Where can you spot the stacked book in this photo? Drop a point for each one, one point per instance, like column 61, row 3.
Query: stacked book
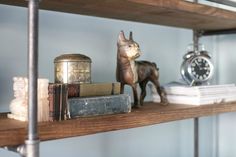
column 197, row 95
column 78, row 100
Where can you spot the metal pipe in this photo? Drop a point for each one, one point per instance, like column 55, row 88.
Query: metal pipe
column 196, row 36
column 219, row 32
column 195, row 40
column 196, row 137
column 32, row 143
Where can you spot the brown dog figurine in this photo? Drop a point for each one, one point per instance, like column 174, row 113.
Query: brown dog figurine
column 131, row 72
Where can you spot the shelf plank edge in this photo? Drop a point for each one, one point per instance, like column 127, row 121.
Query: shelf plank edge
column 175, row 13
column 14, row 132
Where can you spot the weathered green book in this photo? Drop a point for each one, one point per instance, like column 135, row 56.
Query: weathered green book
column 102, row 105
column 59, row 93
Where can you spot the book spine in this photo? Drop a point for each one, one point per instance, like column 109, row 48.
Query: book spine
column 63, row 104
column 4, row 115
column 57, row 96
column 102, row 105
column 56, row 104
column 51, row 99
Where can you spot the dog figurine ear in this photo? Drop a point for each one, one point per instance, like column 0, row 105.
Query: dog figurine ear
column 121, row 38
column 131, row 36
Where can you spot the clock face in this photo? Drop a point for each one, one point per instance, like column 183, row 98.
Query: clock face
column 200, row 69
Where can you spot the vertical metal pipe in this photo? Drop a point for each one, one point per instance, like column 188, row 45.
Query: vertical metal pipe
column 196, row 120
column 195, row 40
column 33, row 68
column 196, row 137
column 195, row 36
column 32, row 143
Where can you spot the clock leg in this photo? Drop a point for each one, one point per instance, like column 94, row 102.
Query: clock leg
column 192, row 83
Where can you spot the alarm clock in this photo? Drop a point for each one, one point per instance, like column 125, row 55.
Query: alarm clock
column 197, row 67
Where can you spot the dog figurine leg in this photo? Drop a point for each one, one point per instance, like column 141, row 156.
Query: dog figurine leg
column 143, row 91
column 135, row 94
column 122, row 86
column 161, row 92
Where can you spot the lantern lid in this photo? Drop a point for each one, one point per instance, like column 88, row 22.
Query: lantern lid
column 71, row 58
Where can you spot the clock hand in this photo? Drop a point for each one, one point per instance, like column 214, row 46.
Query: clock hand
column 196, row 62
column 198, row 65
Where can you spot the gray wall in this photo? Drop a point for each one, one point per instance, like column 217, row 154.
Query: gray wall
column 96, row 37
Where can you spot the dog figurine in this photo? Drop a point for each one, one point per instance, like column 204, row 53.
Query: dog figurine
column 131, row 72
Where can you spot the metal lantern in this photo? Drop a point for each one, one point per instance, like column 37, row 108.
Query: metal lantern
column 72, row 69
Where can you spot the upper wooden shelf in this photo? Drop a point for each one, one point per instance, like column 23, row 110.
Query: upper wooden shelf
column 177, row 13
column 13, row 132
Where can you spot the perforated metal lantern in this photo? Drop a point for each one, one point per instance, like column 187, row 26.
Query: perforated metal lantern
column 72, row 69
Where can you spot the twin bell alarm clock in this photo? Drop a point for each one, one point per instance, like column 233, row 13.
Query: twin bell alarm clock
column 197, row 67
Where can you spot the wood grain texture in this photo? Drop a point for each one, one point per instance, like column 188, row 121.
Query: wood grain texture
column 13, row 132
column 177, row 13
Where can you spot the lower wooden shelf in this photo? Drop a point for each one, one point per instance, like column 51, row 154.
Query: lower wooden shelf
column 13, row 132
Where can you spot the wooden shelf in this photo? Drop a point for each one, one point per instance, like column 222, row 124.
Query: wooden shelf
column 177, row 13
column 13, row 132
